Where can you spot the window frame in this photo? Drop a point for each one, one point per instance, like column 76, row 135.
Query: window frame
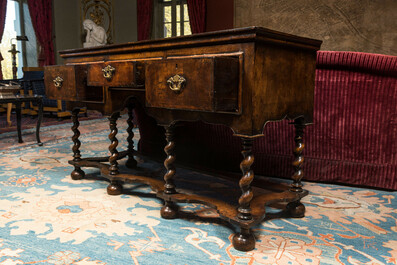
column 23, row 59
column 159, row 20
column 22, row 29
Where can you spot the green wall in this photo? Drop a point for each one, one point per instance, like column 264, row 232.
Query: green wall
column 67, row 24
column 342, row 25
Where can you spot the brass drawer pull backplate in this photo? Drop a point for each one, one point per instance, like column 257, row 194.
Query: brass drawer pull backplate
column 108, row 72
column 176, row 83
column 58, row 81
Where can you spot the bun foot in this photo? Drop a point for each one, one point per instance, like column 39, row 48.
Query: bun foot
column 169, row 211
column 244, row 241
column 131, row 163
column 77, row 174
column 296, row 209
column 114, row 188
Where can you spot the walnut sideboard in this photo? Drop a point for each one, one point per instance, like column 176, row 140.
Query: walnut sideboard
column 242, row 78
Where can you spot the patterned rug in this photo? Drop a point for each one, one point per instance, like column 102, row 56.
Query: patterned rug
column 9, row 137
column 8, row 134
column 47, row 218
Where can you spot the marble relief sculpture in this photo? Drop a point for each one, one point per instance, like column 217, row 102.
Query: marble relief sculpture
column 96, row 35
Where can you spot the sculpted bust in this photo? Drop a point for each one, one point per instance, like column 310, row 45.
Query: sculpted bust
column 96, row 35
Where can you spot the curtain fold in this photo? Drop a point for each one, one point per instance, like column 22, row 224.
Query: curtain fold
column 144, row 13
column 41, row 14
column 197, row 15
column 3, row 9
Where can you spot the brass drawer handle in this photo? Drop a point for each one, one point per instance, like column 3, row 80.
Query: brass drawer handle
column 58, row 81
column 176, row 83
column 108, row 72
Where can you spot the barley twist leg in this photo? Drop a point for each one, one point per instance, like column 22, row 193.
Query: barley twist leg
column 114, row 187
column 170, row 209
column 77, row 173
column 245, row 240
column 131, row 162
column 296, row 208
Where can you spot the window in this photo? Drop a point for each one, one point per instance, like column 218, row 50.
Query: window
column 18, row 23
column 171, row 18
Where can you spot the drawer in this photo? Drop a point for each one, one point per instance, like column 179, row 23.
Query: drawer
column 208, row 84
column 66, row 82
column 116, row 74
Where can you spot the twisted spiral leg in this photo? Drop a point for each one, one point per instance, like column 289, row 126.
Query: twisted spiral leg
column 169, row 210
column 131, row 162
column 296, row 208
column 244, row 209
column 245, row 240
column 114, row 187
column 169, row 161
column 77, row 173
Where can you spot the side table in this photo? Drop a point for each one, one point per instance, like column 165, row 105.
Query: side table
column 239, row 78
column 18, row 100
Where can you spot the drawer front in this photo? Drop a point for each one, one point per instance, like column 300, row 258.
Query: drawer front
column 115, row 74
column 65, row 82
column 207, row 84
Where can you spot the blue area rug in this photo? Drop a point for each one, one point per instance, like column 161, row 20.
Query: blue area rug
column 47, row 218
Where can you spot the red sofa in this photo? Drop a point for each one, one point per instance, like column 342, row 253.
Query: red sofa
column 353, row 139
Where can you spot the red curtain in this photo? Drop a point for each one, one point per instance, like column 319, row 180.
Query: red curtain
column 144, row 13
column 3, row 9
column 41, row 14
column 197, row 13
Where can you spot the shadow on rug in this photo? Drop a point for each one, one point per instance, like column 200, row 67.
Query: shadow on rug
column 47, row 218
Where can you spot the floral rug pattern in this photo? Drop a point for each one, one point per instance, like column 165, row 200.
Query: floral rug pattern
column 47, row 218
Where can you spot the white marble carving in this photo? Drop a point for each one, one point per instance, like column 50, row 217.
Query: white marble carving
column 96, row 35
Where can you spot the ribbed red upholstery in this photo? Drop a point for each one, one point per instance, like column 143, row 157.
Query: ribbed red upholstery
column 358, row 61
column 353, row 139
